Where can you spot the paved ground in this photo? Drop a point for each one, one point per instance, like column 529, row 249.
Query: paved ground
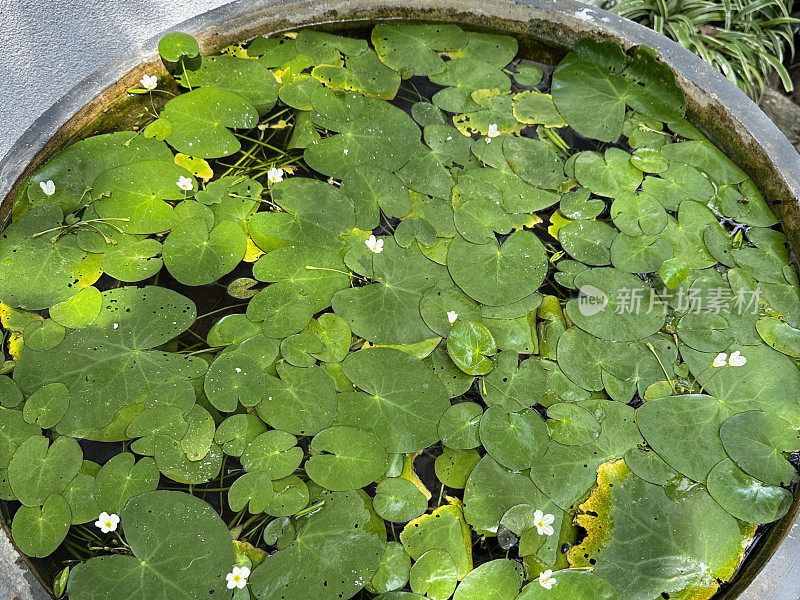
column 16, row 583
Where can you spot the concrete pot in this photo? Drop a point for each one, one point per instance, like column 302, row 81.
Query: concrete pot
column 546, row 30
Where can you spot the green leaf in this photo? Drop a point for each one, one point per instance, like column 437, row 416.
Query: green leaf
column 513, row 385
column 588, row 241
column 412, row 49
column 39, row 469
column 458, row 427
column 434, row 575
column 398, row 500
column 745, row 497
column 468, row 345
column 174, row 46
column 453, row 467
column 393, row 570
column 201, row 120
column 274, row 453
column 47, row 405
column 665, row 424
column 197, row 255
column 571, row 425
column 515, row 440
column 444, row 528
column 757, row 441
column 330, row 543
column 609, row 175
column 123, row 478
column 402, row 399
column 250, row 79
column 133, row 262
column 373, row 189
column 109, row 365
column 232, row 378
column 494, row 580
column 193, row 565
column 80, row 310
column 637, row 552
column 38, row 531
column 345, row 458
column 494, row 274
column 301, row 402
column 534, row 161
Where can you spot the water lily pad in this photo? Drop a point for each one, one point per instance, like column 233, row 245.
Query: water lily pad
column 495, row 580
column 453, row 467
column 757, row 441
column 174, row 46
column 274, row 453
column 201, row 119
column 588, row 241
column 109, row 365
column 133, row 262
column 43, row 335
column 513, row 385
column 193, row 565
column 78, row 311
column 458, row 427
column 515, row 440
column 468, row 345
column 301, row 402
column 47, row 405
column 627, row 309
column 398, row 500
column 402, row 401
column 444, row 528
column 123, row 478
column 494, row 274
column 345, row 458
column 393, row 569
column 197, row 255
column 571, row 425
column 434, row 575
column 373, row 189
column 38, row 469
column 330, row 543
column 609, row 174
column 250, row 79
column 38, row 531
column 663, row 423
column 534, row 161
column 232, row 378
column 745, row 497
column 412, row 49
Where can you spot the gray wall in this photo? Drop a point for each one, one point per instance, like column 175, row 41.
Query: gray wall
column 50, row 45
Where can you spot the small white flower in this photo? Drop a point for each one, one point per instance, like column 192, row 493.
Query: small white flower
column 48, row 187
column 546, row 579
column 375, row 245
column 238, row 577
column 275, row 175
column 492, row 132
column 452, row 316
column 185, row 183
column 543, row 522
column 736, row 359
column 149, row 82
column 720, row 360
column 107, row 522
column 346, row 151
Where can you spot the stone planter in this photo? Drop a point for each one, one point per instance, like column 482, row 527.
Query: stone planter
column 546, row 30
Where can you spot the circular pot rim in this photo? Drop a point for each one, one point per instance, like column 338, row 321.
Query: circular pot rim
column 714, row 104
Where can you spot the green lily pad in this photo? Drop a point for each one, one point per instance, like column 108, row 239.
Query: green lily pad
column 80, row 310
column 373, row 190
column 250, row 79
column 468, row 345
column 588, row 241
column 401, row 403
column 197, row 255
column 609, row 175
column 301, row 402
column 513, row 385
column 494, row 274
column 274, row 453
column 201, row 120
column 663, row 423
column 174, row 46
column 453, row 467
column 393, row 569
column 434, row 575
column 627, row 309
column 495, row 580
column 43, row 335
column 398, row 500
column 38, row 531
column 534, row 161
column 412, row 49
column 575, row 585
column 232, row 378
column 237, row 431
column 745, row 497
column 757, row 441
column 109, row 365
column 133, row 262
column 39, row 469
column 345, row 458
column 330, row 543
column 47, row 405
column 193, row 566
column 444, row 528
column 515, row 440
column 571, row 425
column 123, row 478
column 458, row 427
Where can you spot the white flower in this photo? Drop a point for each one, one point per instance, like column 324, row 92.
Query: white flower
column 720, row 360
column 275, row 175
column 736, row 359
column 185, row 183
column 374, row 244
column 452, row 316
column 149, row 82
column 543, row 522
column 546, row 579
column 48, row 187
column 492, row 132
column 238, row 577
column 107, row 522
